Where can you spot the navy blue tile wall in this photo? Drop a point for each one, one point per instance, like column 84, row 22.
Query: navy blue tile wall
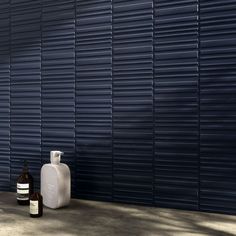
column 133, row 101
column 4, row 95
column 176, row 103
column 94, row 99
column 140, row 95
column 25, row 86
column 218, row 106
column 58, row 80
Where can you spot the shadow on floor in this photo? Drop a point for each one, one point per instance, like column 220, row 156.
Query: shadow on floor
column 89, row 218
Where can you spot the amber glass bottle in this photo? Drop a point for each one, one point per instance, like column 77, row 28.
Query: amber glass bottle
column 24, row 186
column 36, row 205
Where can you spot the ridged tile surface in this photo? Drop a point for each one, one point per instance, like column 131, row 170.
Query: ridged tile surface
column 176, row 103
column 94, row 99
column 140, row 95
column 25, row 87
column 58, row 80
column 133, row 101
column 4, row 95
column 218, row 106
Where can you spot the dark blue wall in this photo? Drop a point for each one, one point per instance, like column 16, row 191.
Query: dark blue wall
column 140, row 95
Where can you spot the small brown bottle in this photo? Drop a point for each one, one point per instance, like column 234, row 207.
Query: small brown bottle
column 36, row 205
column 24, row 186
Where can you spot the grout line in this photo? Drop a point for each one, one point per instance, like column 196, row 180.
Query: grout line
column 75, row 110
column 153, row 103
column 112, row 101
column 41, row 44
column 10, row 172
column 199, row 108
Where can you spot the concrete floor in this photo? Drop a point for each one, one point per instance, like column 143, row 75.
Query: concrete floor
column 90, row 218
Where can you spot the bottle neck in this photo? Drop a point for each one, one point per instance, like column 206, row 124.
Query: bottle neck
column 25, row 168
column 25, row 171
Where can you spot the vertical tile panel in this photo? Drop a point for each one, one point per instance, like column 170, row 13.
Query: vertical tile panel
column 4, row 95
column 176, row 103
column 218, row 106
column 25, row 87
column 133, row 101
column 94, row 99
column 58, row 80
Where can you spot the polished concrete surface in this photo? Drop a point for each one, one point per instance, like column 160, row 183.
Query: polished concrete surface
column 90, row 218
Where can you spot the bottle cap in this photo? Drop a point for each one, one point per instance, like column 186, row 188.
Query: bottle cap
column 55, row 157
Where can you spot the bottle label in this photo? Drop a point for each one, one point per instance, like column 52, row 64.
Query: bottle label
column 22, row 191
column 34, row 207
column 24, row 186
